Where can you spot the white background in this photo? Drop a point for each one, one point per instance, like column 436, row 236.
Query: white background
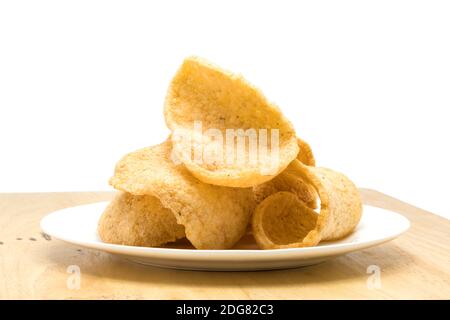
column 366, row 83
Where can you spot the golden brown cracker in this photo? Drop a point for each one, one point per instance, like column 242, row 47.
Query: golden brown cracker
column 283, row 221
column 138, row 220
column 214, row 217
column 340, row 209
column 221, row 101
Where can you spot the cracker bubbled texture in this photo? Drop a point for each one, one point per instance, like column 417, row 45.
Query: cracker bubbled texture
column 221, row 100
column 138, row 220
column 214, row 217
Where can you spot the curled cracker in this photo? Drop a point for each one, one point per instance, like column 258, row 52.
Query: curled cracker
column 340, row 210
column 283, row 221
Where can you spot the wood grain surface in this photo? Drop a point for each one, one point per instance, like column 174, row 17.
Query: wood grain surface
column 34, row 266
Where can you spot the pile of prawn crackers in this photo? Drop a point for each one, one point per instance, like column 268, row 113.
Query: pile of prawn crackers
column 166, row 194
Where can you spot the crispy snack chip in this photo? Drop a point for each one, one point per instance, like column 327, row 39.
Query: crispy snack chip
column 283, row 221
column 221, row 101
column 214, row 217
column 289, row 181
column 138, row 221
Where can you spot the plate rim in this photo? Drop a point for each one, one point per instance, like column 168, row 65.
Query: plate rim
column 217, row 254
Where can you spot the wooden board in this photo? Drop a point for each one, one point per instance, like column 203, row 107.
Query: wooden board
column 414, row 266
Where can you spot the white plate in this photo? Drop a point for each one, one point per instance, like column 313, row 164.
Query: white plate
column 78, row 225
